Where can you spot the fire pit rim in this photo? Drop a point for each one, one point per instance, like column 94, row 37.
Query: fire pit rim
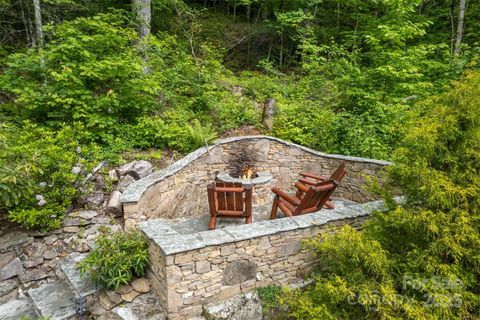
column 263, row 177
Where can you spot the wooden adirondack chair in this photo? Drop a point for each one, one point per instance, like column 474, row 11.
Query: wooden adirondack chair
column 229, row 200
column 310, row 179
column 314, row 200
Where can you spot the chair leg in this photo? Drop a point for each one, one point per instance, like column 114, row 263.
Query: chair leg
column 329, row 205
column 273, row 214
column 299, row 194
column 213, row 223
column 248, row 204
column 212, row 205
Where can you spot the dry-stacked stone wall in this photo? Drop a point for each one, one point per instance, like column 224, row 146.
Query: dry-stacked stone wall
column 190, row 271
column 180, row 190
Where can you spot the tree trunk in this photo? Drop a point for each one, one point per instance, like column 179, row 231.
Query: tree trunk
column 258, row 13
column 280, row 58
column 234, row 10
column 452, row 26
column 270, row 47
column 268, row 112
column 38, row 23
column 338, row 16
column 461, row 19
column 142, row 9
column 30, row 38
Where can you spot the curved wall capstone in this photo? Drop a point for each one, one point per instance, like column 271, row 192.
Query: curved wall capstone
column 180, row 190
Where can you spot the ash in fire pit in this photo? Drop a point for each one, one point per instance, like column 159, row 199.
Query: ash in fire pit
column 242, row 164
column 243, row 168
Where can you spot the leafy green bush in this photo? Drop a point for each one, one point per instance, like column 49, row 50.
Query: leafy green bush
column 226, row 111
column 351, row 265
column 269, row 297
column 148, row 132
column 418, row 260
column 307, row 124
column 155, row 132
column 200, row 135
column 116, row 259
column 89, row 72
column 41, row 172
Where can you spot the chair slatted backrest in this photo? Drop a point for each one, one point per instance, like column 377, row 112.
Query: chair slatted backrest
column 314, row 179
column 228, row 200
column 316, row 197
column 339, row 173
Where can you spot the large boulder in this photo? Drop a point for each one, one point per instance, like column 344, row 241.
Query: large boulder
column 239, row 271
column 242, row 307
column 95, row 199
column 137, row 169
column 124, row 182
column 183, row 201
column 7, row 286
column 6, row 258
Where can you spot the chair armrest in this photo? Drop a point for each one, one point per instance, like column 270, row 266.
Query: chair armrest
column 327, row 185
column 302, row 187
column 309, row 182
column 294, row 201
column 313, row 176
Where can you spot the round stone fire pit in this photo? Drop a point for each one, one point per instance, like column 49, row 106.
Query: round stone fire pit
column 261, row 185
column 262, row 177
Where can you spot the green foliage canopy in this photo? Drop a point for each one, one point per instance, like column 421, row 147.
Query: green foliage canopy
column 89, row 72
column 418, row 260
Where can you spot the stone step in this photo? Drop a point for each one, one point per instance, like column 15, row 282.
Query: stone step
column 81, row 285
column 55, row 300
column 14, row 239
column 17, row 309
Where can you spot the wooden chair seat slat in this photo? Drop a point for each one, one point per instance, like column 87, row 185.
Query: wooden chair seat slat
column 285, row 209
column 231, row 212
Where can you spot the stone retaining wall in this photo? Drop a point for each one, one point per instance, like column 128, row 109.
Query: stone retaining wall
column 189, row 271
column 180, row 189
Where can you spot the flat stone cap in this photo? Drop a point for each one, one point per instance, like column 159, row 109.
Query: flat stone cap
column 171, row 242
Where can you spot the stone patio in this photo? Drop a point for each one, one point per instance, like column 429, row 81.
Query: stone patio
column 260, row 213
